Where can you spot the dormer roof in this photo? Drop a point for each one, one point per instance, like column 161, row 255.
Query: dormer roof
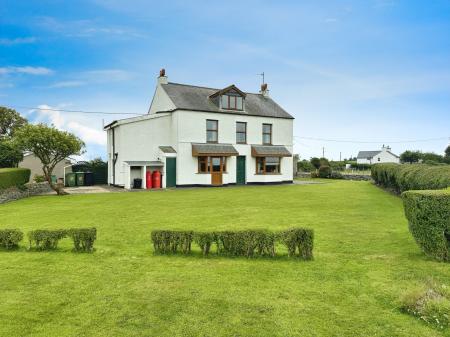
column 228, row 89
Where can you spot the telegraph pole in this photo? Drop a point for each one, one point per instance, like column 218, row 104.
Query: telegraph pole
column 323, row 152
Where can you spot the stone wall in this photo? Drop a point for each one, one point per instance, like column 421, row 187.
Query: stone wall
column 30, row 189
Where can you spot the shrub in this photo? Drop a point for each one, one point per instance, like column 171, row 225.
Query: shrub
column 10, row 177
column 324, row 171
column 298, row 239
column 45, row 239
column 83, row 238
column 204, row 240
column 314, row 174
column 10, row 238
column 411, row 177
column 428, row 214
column 38, row 178
column 336, row 175
column 170, row 241
column 246, row 243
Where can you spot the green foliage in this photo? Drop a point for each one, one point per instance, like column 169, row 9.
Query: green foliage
column 172, row 241
column 410, row 157
column 247, row 243
column 39, row 178
column 10, row 153
column 315, row 162
column 83, row 238
column 10, row 238
column 10, row 122
column 428, row 214
column 46, row 239
column 50, row 145
column 429, row 302
column 205, row 240
column 336, row 175
column 305, row 166
column 447, row 154
column 411, row 177
column 298, row 240
column 13, row 177
column 337, row 165
column 97, row 166
column 324, row 171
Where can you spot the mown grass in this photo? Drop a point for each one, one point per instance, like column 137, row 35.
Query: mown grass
column 365, row 259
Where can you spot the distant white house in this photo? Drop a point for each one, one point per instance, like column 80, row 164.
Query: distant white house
column 381, row 156
column 198, row 136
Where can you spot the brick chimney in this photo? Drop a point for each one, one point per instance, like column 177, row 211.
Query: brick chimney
column 162, row 79
column 264, row 91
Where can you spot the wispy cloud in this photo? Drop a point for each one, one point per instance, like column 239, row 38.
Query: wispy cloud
column 66, row 84
column 26, row 70
column 18, row 40
column 106, row 75
column 86, row 28
column 70, row 122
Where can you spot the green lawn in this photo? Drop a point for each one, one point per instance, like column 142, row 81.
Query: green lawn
column 365, row 259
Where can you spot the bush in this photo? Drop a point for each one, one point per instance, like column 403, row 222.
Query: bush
column 336, row 175
column 171, row 241
column 10, row 177
column 204, row 240
column 428, row 214
column 324, row 171
column 298, row 239
column 10, row 238
column 411, row 177
column 39, row 178
column 83, row 238
column 44, row 239
column 247, row 243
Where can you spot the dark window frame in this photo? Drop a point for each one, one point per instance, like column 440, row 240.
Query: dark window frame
column 229, row 100
column 207, row 160
column 267, row 133
column 264, row 164
column 216, row 130
column 241, row 132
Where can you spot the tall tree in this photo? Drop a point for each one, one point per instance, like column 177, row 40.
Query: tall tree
column 410, row 156
column 51, row 146
column 10, row 153
column 10, row 121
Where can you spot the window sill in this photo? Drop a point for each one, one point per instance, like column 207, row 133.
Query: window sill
column 210, row 172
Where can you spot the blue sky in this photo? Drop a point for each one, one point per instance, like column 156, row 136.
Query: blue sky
column 368, row 71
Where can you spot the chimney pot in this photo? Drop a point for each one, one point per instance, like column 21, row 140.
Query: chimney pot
column 264, row 91
column 162, row 79
column 162, row 72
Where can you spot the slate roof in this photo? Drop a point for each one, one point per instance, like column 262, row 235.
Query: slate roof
column 167, row 149
column 189, row 97
column 270, row 151
column 213, row 149
column 367, row 154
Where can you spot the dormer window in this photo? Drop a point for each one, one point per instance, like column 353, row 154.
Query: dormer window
column 232, row 102
column 229, row 98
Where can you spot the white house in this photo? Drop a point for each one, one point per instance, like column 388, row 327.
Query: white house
column 198, row 136
column 374, row 157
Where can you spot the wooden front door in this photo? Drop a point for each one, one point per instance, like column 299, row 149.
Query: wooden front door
column 216, row 171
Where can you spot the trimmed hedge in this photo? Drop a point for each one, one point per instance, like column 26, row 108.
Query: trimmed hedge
column 45, row 239
column 10, row 238
column 10, row 177
column 247, row 243
column 404, row 177
column 83, row 238
column 428, row 214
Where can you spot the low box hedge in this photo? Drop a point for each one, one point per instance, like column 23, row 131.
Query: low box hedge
column 46, row 239
column 404, row 177
column 83, row 238
column 10, row 177
column 247, row 243
column 10, row 238
column 428, row 214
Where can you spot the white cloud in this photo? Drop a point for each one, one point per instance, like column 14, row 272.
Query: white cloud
column 18, row 40
column 66, row 84
column 107, row 75
column 69, row 122
column 26, row 70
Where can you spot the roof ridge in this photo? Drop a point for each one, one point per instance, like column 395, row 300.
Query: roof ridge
column 202, row 87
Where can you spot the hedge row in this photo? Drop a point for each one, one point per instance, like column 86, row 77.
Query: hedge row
column 428, row 214
column 298, row 241
column 10, row 177
column 411, row 177
column 46, row 239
